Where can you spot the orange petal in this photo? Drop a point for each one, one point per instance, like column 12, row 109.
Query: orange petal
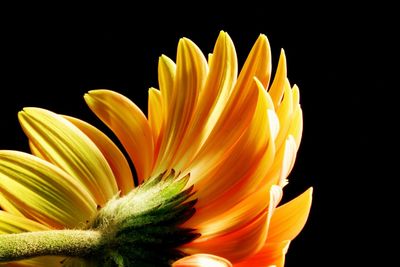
column 237, row 245
column 191, row 70
column 239, row 109
column 220, row 171
column 64, row 145
column 202, row 260
column 288, row 219
column 285, row 114
column 111, row 152
column 272, row 254
column 130, row 125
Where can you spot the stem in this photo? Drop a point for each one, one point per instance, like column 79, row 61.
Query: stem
column 74, row 243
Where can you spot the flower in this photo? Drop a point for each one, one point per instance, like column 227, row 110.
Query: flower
column 233, row 137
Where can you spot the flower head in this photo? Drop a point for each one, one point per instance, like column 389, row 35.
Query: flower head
column 211, row 158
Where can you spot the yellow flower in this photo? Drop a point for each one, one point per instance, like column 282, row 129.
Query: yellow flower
column 234, row 137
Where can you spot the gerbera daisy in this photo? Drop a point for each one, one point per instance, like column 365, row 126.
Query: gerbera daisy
column 211, row 159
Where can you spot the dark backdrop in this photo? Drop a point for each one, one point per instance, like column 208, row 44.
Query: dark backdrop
column 337, row 58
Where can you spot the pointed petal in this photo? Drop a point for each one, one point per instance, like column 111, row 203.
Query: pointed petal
column 258, row 64
column 10, row 223
column 213, row 97
column 129, row 124
column 191, row 70
column 64, row 145
column 43, row 192
column 202, row 260
column 239, row 110
column 290, row 218
column 115, row 158
column 278, row 86
column 272, row 254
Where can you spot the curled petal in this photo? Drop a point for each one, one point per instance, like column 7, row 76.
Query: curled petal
column 202, row 260
column 288, row 219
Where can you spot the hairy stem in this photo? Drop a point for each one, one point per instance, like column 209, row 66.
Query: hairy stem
column 74, row 243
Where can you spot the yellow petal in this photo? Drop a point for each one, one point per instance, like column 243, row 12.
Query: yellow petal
column 130, row 125
column 191, row 70
column 66, row 146
column 10, row 223
column 155, row 113
column 8, row 206
column 43, row 192
column 278, row 86
column 272, row 254
column 111, row 152
column 213, row 97
column 288, row 219
column 202, row 260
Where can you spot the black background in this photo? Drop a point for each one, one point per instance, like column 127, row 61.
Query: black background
column 339, row 57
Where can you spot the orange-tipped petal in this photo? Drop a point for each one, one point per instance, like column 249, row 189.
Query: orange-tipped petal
column 130, row 125
column 44, row 192
column 272, row 254
column 288, row 219
column 202, row 260
column 64, row 145
column 114, row 156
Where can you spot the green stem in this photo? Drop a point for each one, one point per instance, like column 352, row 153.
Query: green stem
column 73, row 243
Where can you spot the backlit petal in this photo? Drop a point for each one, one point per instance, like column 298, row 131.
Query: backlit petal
column 111, row 152
column 43, row 192
column 288, row 219
column 202, row 260
column 66, row 146
column 130, row 125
